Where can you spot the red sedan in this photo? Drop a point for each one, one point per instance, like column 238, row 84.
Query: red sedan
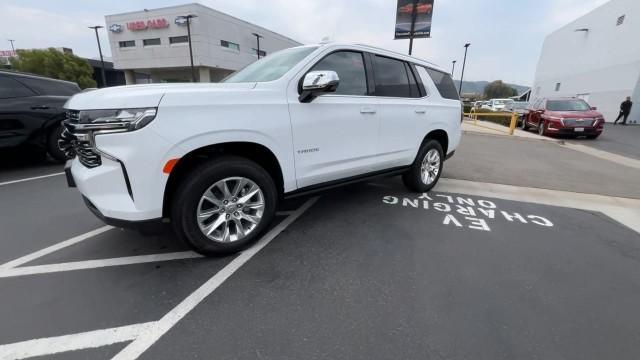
column 564, row 116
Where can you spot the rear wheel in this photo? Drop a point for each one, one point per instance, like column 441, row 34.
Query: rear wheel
column 224, row 205
column 426, row 169
column 592, row 137
column 52, row 144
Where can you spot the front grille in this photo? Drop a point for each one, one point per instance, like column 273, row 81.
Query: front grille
column 78, row 142
column 578, row 122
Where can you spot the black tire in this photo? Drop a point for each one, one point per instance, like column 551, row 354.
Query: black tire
column 524, row 126
column 541, row 127
column 185, row 203
column 592, row 137
column 52, row 144
column 413, row 178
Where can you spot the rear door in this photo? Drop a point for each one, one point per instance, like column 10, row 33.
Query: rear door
column 402, row 109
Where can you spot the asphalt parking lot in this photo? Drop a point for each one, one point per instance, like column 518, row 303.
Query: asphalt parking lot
column 371, row 271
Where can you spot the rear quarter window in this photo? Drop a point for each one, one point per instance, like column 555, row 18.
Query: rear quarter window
column 443, row 81
column 50, row 87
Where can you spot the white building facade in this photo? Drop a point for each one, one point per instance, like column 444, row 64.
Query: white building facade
column 152, row 45
column 597, row 58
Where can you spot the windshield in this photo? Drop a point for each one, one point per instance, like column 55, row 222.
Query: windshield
column 271, row 67
column 567, row 105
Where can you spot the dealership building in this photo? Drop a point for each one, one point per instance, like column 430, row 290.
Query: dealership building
column 152, row 45
column 596, row 58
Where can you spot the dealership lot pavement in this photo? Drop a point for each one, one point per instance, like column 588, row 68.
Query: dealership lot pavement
column 470, row 270
column 618, row 139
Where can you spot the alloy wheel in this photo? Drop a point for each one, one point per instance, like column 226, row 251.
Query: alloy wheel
column 230, row 209
column 430, row 166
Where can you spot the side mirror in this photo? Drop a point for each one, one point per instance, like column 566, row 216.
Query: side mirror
column 317, row 82
column 594, row 108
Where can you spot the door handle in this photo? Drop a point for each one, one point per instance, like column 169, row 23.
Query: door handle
column 367, row 110
column 421, row 111
column 40, row 107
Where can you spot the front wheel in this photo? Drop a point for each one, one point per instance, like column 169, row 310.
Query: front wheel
column 524, row 125
column 224, row 205
column 52, row 144
column 426, row 169
column 541, row 128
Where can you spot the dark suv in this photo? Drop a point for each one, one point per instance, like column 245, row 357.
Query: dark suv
column 31, row 111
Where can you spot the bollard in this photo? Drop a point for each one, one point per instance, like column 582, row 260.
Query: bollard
column 514, row 121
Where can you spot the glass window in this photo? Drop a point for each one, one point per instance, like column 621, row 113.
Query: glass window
column 128, row 43
column 349, row 66
column 391, row 77
column 150, row 42
column 271, row 67
column 557, row 86
column 230, row 45
column 568, row 105
column 444, row 83
column 49, row 87
column 413, row 85
column 10, row 88
column 178, row 39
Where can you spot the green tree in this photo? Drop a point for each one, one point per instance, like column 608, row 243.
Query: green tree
column 498, row 89
column 55, row 64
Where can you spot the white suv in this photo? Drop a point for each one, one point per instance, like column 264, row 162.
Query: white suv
column 214, row 159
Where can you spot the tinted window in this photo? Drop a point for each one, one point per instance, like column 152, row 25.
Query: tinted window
column 229, row 44
column 50, row 87
column 444, row 83
column 10, row 88
column 148, row 42
column 128, row 43
column 391, row 77
column 413, row 85
column 178, row 39
column 350, row 68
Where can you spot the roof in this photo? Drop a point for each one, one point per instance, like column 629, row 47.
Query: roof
column 35, row 76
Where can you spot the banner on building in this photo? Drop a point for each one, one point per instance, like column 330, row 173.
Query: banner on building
column 404, row 17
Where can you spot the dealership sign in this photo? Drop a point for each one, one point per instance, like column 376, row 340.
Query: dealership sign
column 7, row 53
column 160, row 23
column 407, row 11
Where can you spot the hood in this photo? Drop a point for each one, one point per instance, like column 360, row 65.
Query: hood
column 139, row 96
column 574, row 114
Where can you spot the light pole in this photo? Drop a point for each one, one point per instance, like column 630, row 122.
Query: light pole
column 414, row 13
column 464, row 62
column 104, row 77
column 453, row 68
column 258, row 36
column 193, row 69
column 12, row 48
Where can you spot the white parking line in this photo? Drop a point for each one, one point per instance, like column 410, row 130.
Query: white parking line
column 71, row 342
column 93, row 264
column 61, row 245
column 155, row 332
column 31, row 178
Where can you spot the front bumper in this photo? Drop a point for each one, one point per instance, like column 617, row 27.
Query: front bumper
column 152, row 226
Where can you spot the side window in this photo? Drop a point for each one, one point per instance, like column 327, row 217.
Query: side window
column 46, row 87
column 413, row 85
column 391, row 77
column 444, row 83
column 9, row 88
column 349, row 66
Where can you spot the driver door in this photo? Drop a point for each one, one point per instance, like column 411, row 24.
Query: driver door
column 335, row 135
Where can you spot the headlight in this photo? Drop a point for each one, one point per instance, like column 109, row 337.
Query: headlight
column 117, row 119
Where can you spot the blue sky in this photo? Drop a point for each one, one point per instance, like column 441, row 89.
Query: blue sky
column 506, row 35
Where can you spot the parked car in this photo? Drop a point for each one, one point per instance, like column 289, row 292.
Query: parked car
column 564, row 116
column 31, row 111
column 519, row 107
column 498, row 104
column 214, row 159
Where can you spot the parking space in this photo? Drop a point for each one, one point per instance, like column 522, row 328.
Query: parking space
column 617, row 139
column 371, row 271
